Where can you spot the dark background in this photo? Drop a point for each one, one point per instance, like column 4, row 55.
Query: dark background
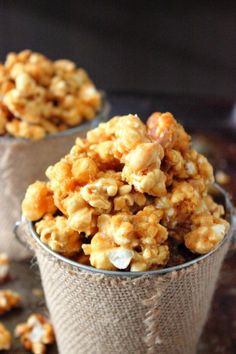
column 145, row 46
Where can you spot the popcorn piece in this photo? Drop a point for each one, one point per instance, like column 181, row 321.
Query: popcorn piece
column 142, row 169
column 84, row 170
column 164, row 128
column 97, row 193
column 119, row 227
column 149, row 257
column 36, row 333
column 179, row 204
column 8, row 300
column 3, row 118
column 222, row 178
column 4, row 267
column 120, row 257
column 38, row 201
column 5, row 338
column 99, row 250
column 36, row 90
column 57, row 234
column 207, row 232
column 23, row 130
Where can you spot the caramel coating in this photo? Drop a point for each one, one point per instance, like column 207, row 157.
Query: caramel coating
column 38, row 201
column 5, row 338
column 122, row 196
column 207, row 232
column 4, row 267
column 56, row 233
column 8, row 300
column 40, row 96
column 35, row 334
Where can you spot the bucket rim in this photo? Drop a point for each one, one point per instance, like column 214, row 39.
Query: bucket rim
column 101, row 117
column 229, row 211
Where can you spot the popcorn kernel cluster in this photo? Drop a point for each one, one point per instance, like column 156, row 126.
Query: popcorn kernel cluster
column 123, row 194
column 39, row 96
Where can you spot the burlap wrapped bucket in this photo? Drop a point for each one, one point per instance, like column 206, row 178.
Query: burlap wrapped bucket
column 21, row 163
column 103, row 312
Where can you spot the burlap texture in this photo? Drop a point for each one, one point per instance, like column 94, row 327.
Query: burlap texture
column 97, row 314
column 21, row 163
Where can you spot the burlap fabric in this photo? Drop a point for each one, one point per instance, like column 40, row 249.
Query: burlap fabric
column 21, row 163
column 96, row 314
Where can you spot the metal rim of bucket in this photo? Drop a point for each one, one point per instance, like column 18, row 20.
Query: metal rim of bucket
column 229, row 210
column 102, row 116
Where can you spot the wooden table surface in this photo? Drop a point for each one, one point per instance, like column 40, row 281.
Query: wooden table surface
column 219, row 143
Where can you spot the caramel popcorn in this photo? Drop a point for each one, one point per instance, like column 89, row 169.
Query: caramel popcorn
column 36, row 333
column 8, row 300
column 39, row 96
column 5, row 338
column 207, row 231
column 56, row 233
column 4, row 267
column 126, row 195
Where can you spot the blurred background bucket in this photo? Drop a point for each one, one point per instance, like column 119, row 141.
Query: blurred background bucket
column 95, row 311
column 22, row 163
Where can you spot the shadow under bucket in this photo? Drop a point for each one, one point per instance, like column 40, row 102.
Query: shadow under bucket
column 95, row 311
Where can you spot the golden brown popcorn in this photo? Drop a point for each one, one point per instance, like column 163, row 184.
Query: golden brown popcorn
column 142, row 169
column 84, row 170
column 58, row 235
column 22, row 129
column 178, row 206
column 3, row 119
column 5, row 338
column 207, row 232
column 165, row 129
column 180, row 161
column 128, row 199
column 208, row 205
column 125, row 238
column 129, row 132
column 98, row 192
column 55, row 95
column 222, row 177
column 123, row 198
column 151, row 256
column 8, row 300
column 29, row 110
column 38, row 201
column 36, row 333
column 98, row 250
column 4, row 267
column 81, row 217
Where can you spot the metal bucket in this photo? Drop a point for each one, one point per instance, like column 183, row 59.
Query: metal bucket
column 97, row 311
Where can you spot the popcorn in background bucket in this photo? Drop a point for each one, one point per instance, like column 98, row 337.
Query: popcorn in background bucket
column 40, row 96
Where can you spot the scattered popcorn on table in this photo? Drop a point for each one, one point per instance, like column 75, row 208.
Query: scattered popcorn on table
column 222, row 177
column 5, row 338
column 122, row 193
column 4, row 267
column 36, row 333
column 39, row 96
column 9, row 300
